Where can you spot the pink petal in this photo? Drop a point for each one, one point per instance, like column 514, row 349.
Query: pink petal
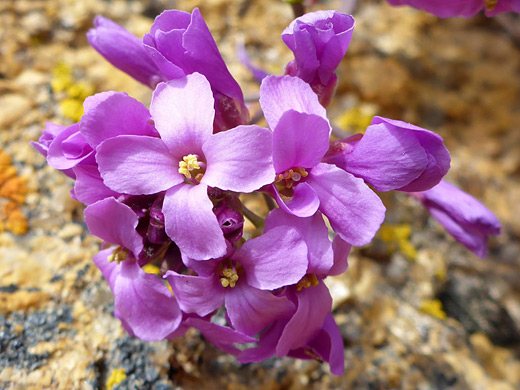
column 279, row 94
column 114, row 222
column 341, row 250
column 145, row 304
column 221, row 336
column 275, row 259
column 196, row 294
column 137, row 165
column 183, row 113
column 111, row 114
column 314, row 304
column 250, row 310
column 89, row 186
column 266, row 346
column 191, row 224
column 355, row 212
column 68, row 149
column 387, row 158
column 303, row 204
column 204, row 56
column 314, row 232
column 239, row 159
column 299, row 140
column 438, row 157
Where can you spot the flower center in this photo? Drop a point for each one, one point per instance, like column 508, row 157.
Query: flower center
column 228, row 273
column 118, row 255
column 285, row 181
column 191, row 167
column 490, row 4
column 307, row 281
column 290, row 176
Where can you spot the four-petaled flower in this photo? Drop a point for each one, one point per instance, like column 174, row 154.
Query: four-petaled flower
column 186, row 160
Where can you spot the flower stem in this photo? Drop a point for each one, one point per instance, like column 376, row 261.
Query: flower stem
column 269, row 201
column 255, row 219
column 298, row 9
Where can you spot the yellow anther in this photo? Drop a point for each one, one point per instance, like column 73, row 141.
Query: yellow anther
column 291, row 176
column 118, row 255
column 224, row 282
column 307, row 281
column 188, row 164
column 229, row 277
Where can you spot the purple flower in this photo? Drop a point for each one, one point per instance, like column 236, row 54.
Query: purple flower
column 319, row 41
column 310, row 330
column 68, row 149
column 142, row 302
column 107, row 115
column 464, row 217
column 48, row 135
column 124, row 51
column 327, row 345
column 178, row 44
column 186, row 161
column 243, row 279
column 51, row 132
column 463, row 8
column 303, row 183
column 393, row 155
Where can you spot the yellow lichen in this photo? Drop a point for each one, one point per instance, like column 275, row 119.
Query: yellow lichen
column 399, row 237
column 117, row 376
column 433, row 307
column 71, row 92
column 357, row 119
column 13, row 190
column 71, row 108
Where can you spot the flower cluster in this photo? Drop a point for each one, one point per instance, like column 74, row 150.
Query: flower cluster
column 163, row 187
column 462, row 8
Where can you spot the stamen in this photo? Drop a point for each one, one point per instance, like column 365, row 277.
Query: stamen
column 118, row 255
column 291, row 176
column 229, row 274
column 307, row 281
column 188, row 164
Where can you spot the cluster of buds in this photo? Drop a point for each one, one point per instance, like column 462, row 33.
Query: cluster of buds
column 163, row 187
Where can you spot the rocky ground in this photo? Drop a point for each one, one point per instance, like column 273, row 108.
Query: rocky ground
column 416, row 309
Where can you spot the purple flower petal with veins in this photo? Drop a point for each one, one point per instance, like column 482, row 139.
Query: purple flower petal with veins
column 242, row 281
column 114, row 222
column 124, row 51
column 303, row 183
column 185, row 161
column 464, row 217
column 141, row 301
column 393, row 155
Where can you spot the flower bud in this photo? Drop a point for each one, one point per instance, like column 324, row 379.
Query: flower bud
column 124, row 51
column 319, row 41
column 230, row 218
column 464, row 217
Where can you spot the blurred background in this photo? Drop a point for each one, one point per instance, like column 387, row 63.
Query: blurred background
column 416, row 309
